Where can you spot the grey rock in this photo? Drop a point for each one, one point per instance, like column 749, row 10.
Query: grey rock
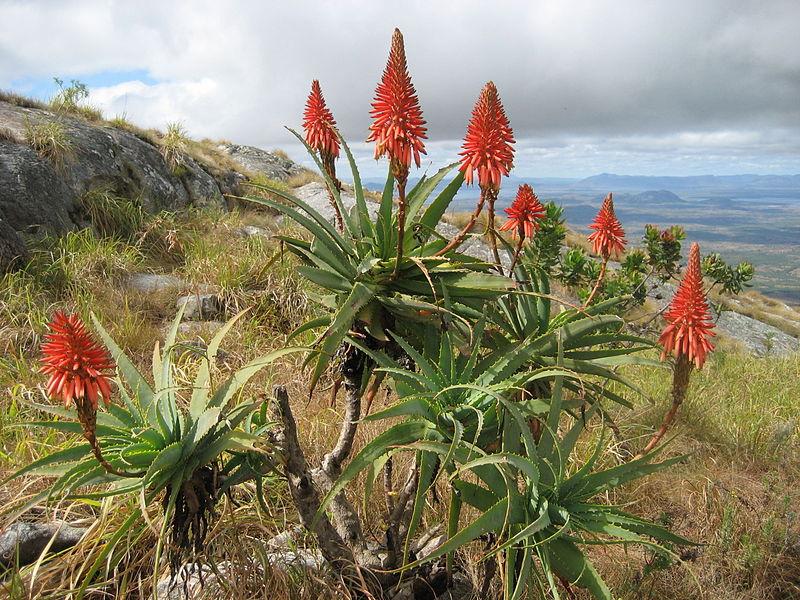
column 781, row 433
column 13, row 252
column 22, row 543
column 257, row 160
column 200, row 307
column 432, row 545
column 37, row 194
column 199, row 328
column 148, row 283
column 250, row 231
column 315, row 194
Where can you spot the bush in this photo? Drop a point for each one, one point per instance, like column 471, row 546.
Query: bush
column 70, row 100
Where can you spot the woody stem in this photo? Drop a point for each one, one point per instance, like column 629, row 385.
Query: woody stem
column 330, row 170
column 600, row 278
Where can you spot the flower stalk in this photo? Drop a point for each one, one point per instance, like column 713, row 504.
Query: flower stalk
column 487, row 152
column 320, row 131
column 79, row 370
column 398, row 128
column 686, row 335
column 607, row 240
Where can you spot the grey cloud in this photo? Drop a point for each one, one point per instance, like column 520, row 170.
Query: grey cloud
column 582, row 81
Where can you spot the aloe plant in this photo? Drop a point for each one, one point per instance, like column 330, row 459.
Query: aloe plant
column 160, row 446
column 370, row 289
column 469, row 412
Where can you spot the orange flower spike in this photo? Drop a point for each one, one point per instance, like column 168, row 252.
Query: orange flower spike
column 318, row 124
column 608, row 238
column 78, row 366
column 524, row 213
column 398, row 127
column 689, row 322
column 488, row 144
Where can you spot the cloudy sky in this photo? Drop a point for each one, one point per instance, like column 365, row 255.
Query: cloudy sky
column 667, row 87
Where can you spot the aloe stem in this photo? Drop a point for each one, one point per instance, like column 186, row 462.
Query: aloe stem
column 87, row 416
column 401, row 223
column 456, row 241
column 517, row 252
column 680, row 385
column 330, row 170
column 600, row 278
column 493, row 234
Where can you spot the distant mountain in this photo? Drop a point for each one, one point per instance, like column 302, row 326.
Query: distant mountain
column 720, row 183
column 651, row 196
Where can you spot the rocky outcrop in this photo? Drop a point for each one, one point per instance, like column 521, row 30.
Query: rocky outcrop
column 256, row 160
column 39, row 193
column 22, row 543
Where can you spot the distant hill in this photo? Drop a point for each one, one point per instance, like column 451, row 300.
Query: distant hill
column 651, row 196
column 735, row 183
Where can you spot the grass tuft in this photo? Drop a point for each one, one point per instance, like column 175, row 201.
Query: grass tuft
column 49, row 139
column 112, row 215
column 173, row 146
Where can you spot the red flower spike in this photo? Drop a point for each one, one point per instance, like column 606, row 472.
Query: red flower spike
column 318, row 124
column 78, row 366
column 524, row 213
column 608, row 238
column 398, row 127
column 689, row 322
column 488, row 143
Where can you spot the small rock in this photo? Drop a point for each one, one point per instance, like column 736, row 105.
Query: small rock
column 315, row 194
column 199, row 328
column 251, row 231
column 432, row 545
column 148, row 283
column 21, row 543
column 257, row 160
column 302, row 558
column 285, row 539
column 782, row 432
column 200, row 307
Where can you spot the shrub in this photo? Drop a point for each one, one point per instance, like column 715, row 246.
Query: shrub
column 70, row 100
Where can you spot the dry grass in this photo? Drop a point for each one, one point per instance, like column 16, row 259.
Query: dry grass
column 21, row 101
column 576, row 240
column 8, row 135
column 303, row 177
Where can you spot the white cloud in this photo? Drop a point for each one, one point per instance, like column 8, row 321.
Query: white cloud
column 588, row 85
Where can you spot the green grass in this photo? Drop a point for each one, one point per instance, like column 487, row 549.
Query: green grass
column 113, row 215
